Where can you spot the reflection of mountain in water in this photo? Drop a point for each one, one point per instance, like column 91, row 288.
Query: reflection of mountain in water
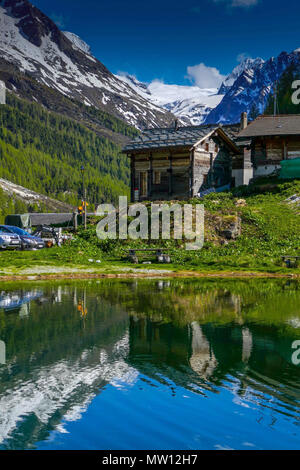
column 197, row 335
column 56, row 378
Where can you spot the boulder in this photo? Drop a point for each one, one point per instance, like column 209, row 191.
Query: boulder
column 234, row 229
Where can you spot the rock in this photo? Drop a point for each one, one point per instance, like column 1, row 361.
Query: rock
column 241, row 202
column 134, row 259
column 295, row 199
column 234, row 230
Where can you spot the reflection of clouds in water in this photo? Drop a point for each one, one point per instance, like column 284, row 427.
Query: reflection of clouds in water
column 65, row 385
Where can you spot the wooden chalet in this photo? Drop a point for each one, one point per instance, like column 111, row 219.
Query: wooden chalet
column 179, row 162
column 269, row 140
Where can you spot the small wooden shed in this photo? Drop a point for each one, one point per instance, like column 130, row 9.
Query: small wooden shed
column 179, row 162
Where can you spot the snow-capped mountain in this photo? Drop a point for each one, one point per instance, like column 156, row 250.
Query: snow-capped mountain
column 247, row 64
column 193, row 105
column 247, row 85
column 252, row 88
column 31, row 44
column 35, row 46
column 190, row 104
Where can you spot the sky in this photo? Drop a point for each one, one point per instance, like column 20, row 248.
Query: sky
column 187, row 42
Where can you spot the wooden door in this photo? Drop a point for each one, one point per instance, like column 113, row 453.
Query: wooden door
column 143, row 183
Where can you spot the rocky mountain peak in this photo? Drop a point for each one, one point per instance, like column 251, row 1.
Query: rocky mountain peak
column 246, row 64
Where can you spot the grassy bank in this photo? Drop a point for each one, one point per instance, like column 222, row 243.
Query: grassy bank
column 270, row 229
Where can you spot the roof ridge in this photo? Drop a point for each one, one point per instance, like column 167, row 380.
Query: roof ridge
column 262, row 116
column 151, row 129
column 199, row 126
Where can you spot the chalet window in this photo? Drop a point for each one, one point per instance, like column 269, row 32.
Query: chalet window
column 156, row 177
column 207, row 146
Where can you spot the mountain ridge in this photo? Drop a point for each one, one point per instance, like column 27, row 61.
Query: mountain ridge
column 37, row 47
column 252, row 88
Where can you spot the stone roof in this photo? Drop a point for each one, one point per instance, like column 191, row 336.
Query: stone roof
column 181, row 137
column 273, row 125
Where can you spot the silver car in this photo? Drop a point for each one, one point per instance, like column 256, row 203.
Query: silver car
column 9, row 240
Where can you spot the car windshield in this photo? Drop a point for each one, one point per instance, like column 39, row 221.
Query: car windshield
column 19, row 231
column 5, row 230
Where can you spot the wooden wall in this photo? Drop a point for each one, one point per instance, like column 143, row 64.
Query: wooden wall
column 174, row 171
column 271, row 150
column 183, row 172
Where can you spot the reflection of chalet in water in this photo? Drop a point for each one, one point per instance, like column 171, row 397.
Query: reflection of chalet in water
column 179, row 162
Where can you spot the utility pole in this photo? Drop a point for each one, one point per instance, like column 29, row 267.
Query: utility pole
column 82, row 169
column 85, row 206
column 275, row 98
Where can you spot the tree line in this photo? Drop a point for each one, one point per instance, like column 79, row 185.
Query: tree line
column 44, row 151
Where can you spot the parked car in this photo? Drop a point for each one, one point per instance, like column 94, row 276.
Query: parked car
column 2, row 243
column 9, row 240
column 28, row 241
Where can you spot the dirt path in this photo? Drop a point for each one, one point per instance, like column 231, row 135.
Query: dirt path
column 148, row 274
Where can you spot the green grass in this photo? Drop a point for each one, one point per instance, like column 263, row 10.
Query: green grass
column 270, row 229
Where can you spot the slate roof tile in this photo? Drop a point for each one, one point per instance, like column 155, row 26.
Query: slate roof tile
column 171, row 137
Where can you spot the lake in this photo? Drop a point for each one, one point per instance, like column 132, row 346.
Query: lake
column 150, row 364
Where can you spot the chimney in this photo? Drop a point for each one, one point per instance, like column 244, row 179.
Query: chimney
column 244, row 121
column 176, row 124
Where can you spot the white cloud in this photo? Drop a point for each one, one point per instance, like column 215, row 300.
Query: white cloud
column 205, row 77
column 239, row 3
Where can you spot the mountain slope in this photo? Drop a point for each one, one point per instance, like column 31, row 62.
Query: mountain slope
column 103, row 123
column 15, row 199
column 44, row 151
column 34, row 44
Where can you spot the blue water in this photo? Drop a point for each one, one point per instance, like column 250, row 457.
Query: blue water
column 150, row 417
column 143, row 365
